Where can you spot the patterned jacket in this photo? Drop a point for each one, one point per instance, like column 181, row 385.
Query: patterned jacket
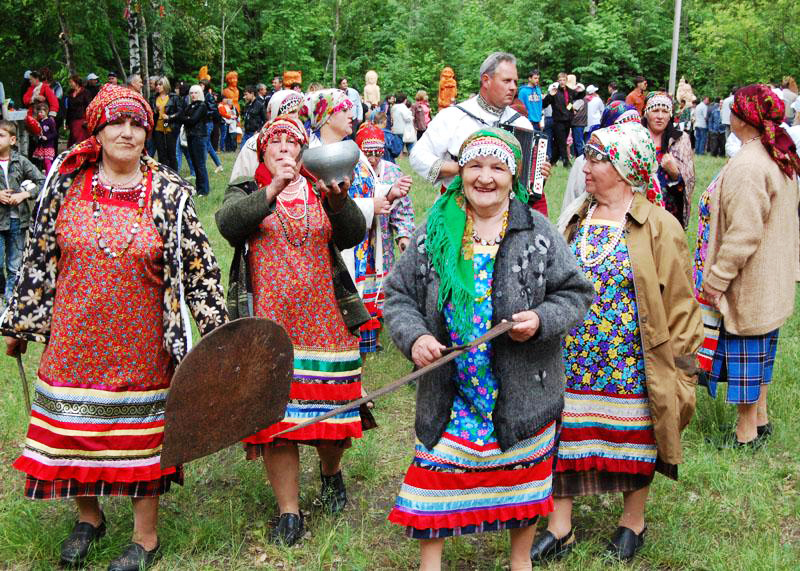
column 191, row 274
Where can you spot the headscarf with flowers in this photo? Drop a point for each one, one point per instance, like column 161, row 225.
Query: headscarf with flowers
column 111, row 103
column 614, row 113
column 633, row 154
column 283, row 124
column 318, row 106
column 448, row 243
column 759, row 106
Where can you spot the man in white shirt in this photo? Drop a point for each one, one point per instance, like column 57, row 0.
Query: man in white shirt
column 433, row 157
column 701, row 126
column 725, row 112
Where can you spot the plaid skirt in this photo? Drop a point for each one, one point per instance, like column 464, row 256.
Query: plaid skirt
column 36, row 489
column 745, row 363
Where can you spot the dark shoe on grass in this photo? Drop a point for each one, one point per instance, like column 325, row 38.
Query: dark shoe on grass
column 288, row 530
column 75, row 547
column 546, row 547
column 333, row 495
column 626, row 543
column 135, row 558
column 764, row 431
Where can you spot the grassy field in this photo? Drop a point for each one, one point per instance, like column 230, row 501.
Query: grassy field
column 730, row 510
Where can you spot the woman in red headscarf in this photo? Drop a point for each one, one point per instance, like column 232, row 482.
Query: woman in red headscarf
column 114, row 263
column 288, row 267
column 752, row 248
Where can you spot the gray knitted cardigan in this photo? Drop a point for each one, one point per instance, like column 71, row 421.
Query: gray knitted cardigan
column 534, row 269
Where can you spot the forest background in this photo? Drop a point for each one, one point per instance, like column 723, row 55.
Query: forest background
column 407, row 42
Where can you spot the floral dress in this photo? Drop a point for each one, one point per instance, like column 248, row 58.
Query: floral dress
column 466, row 483
column 606, row 423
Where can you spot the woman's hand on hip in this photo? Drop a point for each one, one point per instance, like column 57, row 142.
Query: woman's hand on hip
column 712, row 295
column 527, row 324
column 426, row 350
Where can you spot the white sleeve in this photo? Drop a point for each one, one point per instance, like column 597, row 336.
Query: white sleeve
column 430, row 151
column 367, row 207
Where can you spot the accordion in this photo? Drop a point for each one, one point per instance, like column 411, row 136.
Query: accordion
column 534, row 155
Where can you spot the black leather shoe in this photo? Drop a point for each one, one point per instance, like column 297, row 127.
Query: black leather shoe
column 626, row 543
column 288, row 530
column 764, row 431
column 135, row 558
column 75, row 547
column 333, row 495
column 547, row 548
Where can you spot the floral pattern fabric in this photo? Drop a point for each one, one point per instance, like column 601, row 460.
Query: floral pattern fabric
column 604, row 352
column 398, row 224
column 191, row 274
column 471, row 415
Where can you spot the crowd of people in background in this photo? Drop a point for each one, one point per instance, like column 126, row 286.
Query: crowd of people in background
column 504, row 425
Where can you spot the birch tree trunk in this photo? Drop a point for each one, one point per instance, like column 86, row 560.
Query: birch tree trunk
column 145, row 56
column 134, row 53
column 157, row 39
column 65, row 39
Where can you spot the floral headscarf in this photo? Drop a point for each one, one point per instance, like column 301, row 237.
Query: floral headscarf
column 283, row 102
column 320, row 105
column 112, row 102
column 449, row 248
column 759, row 106
column 633, row 154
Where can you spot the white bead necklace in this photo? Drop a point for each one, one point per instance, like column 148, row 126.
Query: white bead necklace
column 301, row 190
column 608, row 248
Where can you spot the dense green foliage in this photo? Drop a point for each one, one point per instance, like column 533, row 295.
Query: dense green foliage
column 409, row 41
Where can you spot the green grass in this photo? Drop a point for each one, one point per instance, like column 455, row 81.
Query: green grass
column 730, row 510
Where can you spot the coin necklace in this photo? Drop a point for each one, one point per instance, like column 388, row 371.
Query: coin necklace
column 609, row 247
column 140, row 193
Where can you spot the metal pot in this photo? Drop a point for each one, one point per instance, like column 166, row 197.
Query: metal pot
column 332, row 162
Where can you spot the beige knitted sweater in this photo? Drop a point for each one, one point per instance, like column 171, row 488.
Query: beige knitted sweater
column 754, row 243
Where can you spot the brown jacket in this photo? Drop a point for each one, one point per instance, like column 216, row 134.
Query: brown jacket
column 669, row 319
column 753, row 243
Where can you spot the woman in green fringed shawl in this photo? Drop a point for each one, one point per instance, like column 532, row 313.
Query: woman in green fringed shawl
column 486, row 422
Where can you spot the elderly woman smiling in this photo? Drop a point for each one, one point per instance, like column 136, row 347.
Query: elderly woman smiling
column 629, row 391
column 485, row 423
column 115, row 256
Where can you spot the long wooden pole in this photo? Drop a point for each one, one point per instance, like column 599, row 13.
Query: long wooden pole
column 676, row 36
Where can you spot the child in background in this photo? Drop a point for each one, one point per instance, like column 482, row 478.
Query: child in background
column 45, row 147
column 394, row 144
column 19, row 181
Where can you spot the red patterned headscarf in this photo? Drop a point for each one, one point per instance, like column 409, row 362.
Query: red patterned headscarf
column 112, row 102
column 282, row 124
column 370, row 138
column 759, row 106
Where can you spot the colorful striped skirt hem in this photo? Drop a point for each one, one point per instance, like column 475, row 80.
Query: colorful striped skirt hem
column 459, row 487
column 323, row 381
column 372, row 294
column 88, row 435
column 607, row 432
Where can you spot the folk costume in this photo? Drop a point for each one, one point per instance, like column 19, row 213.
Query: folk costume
column 400, row 222
column 677, row 192
column 749, row 229
column 486, row 424
column 365, row 261
column 287, row 257
column 108, row 279
column 625, row 404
